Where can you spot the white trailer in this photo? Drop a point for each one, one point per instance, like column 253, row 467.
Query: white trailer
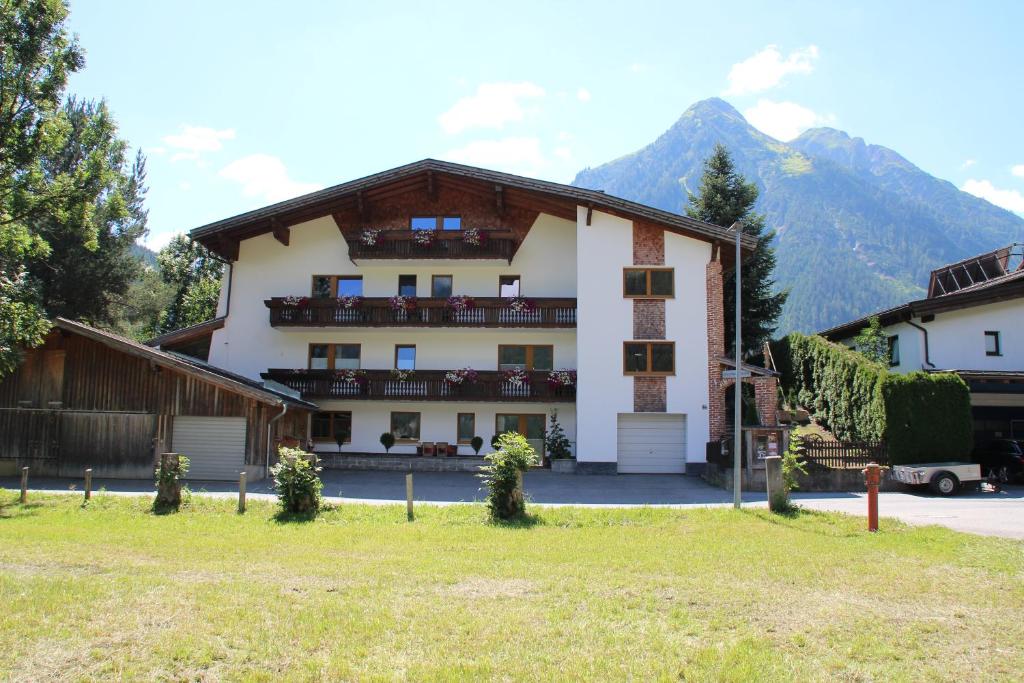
column 944, row 478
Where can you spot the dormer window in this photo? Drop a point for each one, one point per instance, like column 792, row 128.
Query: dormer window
column 436, row 223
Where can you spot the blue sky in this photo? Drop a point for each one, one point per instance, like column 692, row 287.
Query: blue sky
column 238, row 104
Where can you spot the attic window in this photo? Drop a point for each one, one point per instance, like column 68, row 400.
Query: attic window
column 436, row 223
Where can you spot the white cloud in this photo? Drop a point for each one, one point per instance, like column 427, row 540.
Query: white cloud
column 157, row 240
column 967, row 164
column 784, row 120
column 184, row 186
column 637, row 67
column 1018, row 170
column 492, row 106
column 563, row 153
column 194, row 140
column 1008, row 199
column 767, row 68
column 519, row 155
column 159, row 151
column 265, row 176
column 583, row 95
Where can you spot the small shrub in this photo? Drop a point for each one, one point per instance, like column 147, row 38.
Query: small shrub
column 792, row 462
column 387, row 440
column 556, row 442
column 169, row 473
column 476, row 443
column 502, row 476
column 297, row 482
column 494, row 440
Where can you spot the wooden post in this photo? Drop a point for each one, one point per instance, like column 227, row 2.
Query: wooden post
column 778, row 496
column 408, row 496
column 872, row 478
column 241, row 492
column 24, row 485
column 88, row 484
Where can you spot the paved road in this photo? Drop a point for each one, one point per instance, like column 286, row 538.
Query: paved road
column 995, row 514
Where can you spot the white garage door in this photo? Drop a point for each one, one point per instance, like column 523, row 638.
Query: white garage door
column 652, row 443
column 215, row 446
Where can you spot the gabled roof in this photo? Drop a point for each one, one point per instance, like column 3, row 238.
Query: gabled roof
column 187, row 334
column 321, row 203
column 186, row 365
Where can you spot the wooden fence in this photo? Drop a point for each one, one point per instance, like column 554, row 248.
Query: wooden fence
column 843, row 455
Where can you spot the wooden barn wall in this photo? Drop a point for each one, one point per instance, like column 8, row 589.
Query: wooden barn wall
column 99, row 383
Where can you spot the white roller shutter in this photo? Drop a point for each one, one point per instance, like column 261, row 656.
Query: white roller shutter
column 215, row 446
column 652, row 443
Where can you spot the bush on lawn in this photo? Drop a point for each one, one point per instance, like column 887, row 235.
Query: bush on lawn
column 920, row 416
column 503, row 475
column 169, row 473
column 297, row 482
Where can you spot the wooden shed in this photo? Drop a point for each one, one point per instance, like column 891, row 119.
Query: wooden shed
column 89, row 398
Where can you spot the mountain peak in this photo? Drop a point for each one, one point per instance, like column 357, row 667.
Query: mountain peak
column 713, row 107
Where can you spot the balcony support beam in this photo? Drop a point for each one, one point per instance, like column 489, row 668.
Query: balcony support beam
column 282, row 233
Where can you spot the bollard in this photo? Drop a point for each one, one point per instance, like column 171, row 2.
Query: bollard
column 88, row 484
column 241, row 492
column 872, row 478
column 778, row 496
column 408, row 497
column 24, row 485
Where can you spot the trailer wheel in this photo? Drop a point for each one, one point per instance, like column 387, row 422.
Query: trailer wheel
column 945, row 484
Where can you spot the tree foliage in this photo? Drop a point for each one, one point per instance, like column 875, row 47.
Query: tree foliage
column 502, row 475
column 725, row 197
column 36, row 57
column 194, row 273
column 872, row 341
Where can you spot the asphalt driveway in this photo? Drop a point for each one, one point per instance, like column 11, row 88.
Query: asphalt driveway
column 988, row 513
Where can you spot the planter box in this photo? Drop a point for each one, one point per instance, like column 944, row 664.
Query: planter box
column 564, row 465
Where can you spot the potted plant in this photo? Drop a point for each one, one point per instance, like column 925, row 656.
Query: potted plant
column 559, row 448
column 476, row 443
column 474, row 237
column 402, row 375
column 387, row 440
column 455, row 379
column 370, row 237
column 520, row 304
column 423, row 238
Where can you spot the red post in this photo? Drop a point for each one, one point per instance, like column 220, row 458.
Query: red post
column 872, row 478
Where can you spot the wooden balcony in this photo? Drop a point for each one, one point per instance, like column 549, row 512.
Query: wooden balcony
column 399, row 245
column 429, row 312
column 424, row 385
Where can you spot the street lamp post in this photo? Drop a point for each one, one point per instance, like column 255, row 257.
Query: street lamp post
column 737, row 437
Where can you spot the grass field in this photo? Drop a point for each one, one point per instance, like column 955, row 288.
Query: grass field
column 112, row 591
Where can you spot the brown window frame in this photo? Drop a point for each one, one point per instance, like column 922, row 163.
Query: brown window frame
column 529, row 354
column 650, row 359
column 391, row 425
column 415, row 284
column 458, row 419
column 332, row 350
column 999, row 343
column 332, row 438
column 404, row 346
column 648, row 271
column 510, row 275
column 438, row 222
column 333, row 279
column 434, row 277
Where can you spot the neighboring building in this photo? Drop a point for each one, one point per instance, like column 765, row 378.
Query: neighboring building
column 626, row 299
column 971, row 323
column 88, row 398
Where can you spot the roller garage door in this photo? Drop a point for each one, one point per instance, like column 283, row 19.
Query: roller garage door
column 215, row 446
column 652, row 443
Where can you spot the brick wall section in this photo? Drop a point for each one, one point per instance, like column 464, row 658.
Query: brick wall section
column 649, row 395
column 767, row 399
column 716, row 349
column 648, row 319
column 648, row 244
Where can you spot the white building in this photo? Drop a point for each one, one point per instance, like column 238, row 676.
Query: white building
column 545, row 277
column 971, row 323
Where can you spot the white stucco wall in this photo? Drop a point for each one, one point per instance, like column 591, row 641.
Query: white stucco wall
column 605, row 320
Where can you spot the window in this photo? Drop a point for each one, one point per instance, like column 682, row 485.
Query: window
column 325, row 286
column 649, row 358
column 648, row 282
column 526, row 357
column 992, row 347
column 466, row 427
column 508, row 286
column 334, row 427
column 441, row 286
column 436, row 223
column 405, row 357
column 894, row 350
column 334, row 356
column 406, row 285
column 405, row 426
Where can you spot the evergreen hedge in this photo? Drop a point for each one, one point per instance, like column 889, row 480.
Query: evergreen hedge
column 921, row 416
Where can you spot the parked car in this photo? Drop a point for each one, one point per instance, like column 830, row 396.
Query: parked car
column 943, row 478
column 1002, row 459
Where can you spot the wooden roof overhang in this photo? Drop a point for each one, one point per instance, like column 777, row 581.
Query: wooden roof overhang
column 503, row 189
column 187, row 334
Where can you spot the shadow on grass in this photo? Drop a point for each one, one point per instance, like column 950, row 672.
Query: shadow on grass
column 13, row 508
column 286, row 517
column 524, row 521
column 817, row 522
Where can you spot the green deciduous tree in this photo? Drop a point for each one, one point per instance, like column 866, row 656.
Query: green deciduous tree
column 873, row 342
column 194, row 274
column 723, row 198
column 36, row 57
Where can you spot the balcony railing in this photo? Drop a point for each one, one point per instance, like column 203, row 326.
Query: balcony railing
column 432, row 312
column 424, row 385
column 399, row 244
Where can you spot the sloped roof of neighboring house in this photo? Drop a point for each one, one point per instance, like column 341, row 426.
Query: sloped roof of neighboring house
column 187, row 365
column 566, row 197
column 1004, row 285
column 186, row 334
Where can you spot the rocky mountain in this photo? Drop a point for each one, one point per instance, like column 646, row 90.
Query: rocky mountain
column 858, row 227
